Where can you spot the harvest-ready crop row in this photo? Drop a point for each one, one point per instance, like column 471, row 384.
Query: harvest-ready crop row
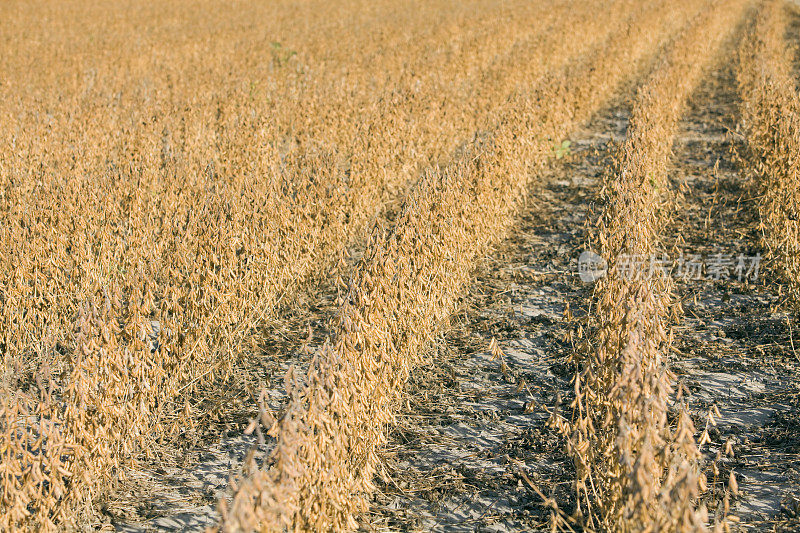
column 771, row 118
column 635, row 471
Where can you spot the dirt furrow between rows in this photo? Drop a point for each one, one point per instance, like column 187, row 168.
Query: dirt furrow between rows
column 475, row 413
column 735, row 341
column 180, row 490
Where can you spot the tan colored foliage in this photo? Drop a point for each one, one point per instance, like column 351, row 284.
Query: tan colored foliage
column 321, row 470
column 186, row 167
column 635, row 470
column 171, row 173
column 771, row 119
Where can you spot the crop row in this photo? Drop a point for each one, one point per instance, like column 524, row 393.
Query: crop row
column 771, row 119
column 637, row 471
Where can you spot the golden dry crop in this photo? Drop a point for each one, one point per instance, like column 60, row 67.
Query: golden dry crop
column 770, row 106
column 635, row 472
column 175, row 176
